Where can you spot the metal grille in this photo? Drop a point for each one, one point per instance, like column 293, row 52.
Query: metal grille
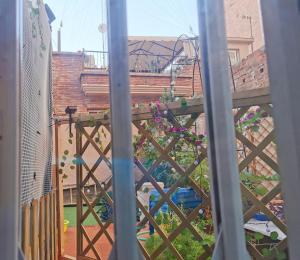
column 35, row 104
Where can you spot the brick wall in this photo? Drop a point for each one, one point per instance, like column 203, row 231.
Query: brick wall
column 68, row 78
column 88, row 90
column 252, row 72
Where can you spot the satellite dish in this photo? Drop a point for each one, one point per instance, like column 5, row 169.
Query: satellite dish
column 102, row 28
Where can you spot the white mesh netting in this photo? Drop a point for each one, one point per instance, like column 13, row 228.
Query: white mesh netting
column 36, row 140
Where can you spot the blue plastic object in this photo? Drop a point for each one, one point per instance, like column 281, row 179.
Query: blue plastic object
column 261, row 217
column 185, row 198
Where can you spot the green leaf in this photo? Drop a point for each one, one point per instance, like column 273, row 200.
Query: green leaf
column 152, row 197
column 62, row 164
column 65, row 176
column 64, row 157
column 274, row 235
column 255, row 128
column 281, row 255
column 248, row 237
column 266, row 252
column 258, row 236
column 159, row 218
column 146, row 190
column 70, row 141
column 183, row 102
column 261, row 190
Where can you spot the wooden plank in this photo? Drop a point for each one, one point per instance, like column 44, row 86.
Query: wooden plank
column 34, row 230
column 265, row 199
column 79, row 236
column 52, row 225
column 47, row 226
column 240, row 99
column 97, row 218
column 261, row 155
column 90, row 243
column 256, row 151
column 262, row 207
column 59, row 195
column 42, row 228
column 26, row 232
column 55, row 227
column 67, row 257
column 60, row 223
column 84, row 258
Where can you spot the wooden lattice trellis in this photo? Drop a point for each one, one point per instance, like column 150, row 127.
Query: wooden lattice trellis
column 259, row 147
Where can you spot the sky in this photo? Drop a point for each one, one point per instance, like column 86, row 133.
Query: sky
column 81, row 18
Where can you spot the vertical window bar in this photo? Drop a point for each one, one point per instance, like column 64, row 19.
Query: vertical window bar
column 226, row 194
column 10, row 54
column 120, row 101
column 282, row 36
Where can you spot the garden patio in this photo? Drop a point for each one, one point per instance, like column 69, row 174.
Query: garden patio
column 170, row 147
column 214, row 176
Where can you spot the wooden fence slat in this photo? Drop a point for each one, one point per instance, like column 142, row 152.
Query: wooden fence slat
column 55, row 226
column 47, row 226
column 52, row 214
column 34, row 230
column 42, row 228
column 26, row 232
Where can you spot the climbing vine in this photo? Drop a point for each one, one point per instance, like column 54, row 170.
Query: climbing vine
column 36, row 24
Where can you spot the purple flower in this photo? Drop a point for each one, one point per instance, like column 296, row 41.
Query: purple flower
column 250, row 115
column 157, row 119
column 198, row 142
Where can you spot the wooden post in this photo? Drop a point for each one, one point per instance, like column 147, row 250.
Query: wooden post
column 71, row 196
column 47, row 226
column 52, row 225
column 34, row 230
column 59, row 196
column 42, row 228
column 26, row 232
column 78, row 184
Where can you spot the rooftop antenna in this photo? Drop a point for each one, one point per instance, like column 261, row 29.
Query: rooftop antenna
column 59, row 37
column 103, row 29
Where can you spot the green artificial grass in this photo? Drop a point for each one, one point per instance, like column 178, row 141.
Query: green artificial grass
column 70, row 215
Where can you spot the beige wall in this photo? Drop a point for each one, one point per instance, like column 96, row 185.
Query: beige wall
column 237, row 23
column 90, row 156
column 242, row 46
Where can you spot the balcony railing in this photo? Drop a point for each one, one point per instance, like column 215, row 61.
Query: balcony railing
column 139, row 62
